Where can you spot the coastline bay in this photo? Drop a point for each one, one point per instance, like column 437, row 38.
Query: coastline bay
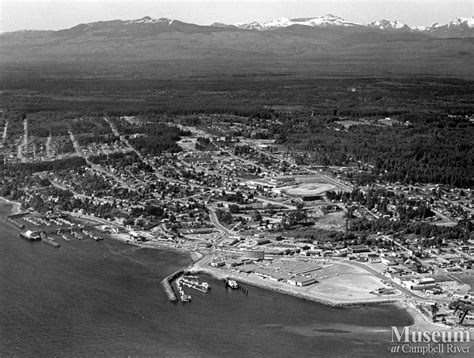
column 104, row 299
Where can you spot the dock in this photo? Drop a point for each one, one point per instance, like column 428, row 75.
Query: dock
column 11, row 220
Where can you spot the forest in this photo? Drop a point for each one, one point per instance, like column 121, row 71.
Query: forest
column 430, row 139
column 159, row 138
column 432, row 149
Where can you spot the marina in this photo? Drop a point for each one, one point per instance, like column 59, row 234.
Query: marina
column 50, row 227
column 181, row 279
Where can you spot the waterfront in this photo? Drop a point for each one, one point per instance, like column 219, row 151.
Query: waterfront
column 105, row 298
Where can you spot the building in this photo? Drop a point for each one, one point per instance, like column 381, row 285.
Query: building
column 358, row 249
column 423, row 283
column 301, row 281
column 254, row 254
column 312, row 197
column 388, row 261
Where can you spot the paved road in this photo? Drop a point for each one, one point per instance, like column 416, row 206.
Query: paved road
column 48, row 145
column 113, row 128
column 97, row 167
column 139, row 155
column 5, row 131
column 23, row 145
column 215, row 221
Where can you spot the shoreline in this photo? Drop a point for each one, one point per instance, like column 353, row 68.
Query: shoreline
column 196, row 268
column 195, row 256
column 419, row 320
column 15, row 209
column 421, row 323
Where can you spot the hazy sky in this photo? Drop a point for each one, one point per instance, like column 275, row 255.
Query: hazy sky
column 59, row 14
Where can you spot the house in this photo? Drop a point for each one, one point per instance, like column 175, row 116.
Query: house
column 388, row 261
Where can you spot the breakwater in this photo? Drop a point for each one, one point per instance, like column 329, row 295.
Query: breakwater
column 167, row 285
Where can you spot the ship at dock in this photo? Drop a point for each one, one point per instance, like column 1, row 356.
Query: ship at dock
column 232, row 284
column 38, row 236
column 30, row 235
column 190, row 282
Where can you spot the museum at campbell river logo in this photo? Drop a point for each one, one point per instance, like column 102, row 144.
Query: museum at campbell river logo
column 405, row 340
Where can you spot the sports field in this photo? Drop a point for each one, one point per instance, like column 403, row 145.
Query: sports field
column 309, row 189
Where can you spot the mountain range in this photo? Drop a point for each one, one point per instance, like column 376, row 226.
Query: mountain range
column 461, row 26
column 380, row 45
column 456, row 27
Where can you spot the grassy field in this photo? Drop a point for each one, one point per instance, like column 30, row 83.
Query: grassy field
column 309, row 189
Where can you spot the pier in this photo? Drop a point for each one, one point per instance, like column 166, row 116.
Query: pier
column 11, row 220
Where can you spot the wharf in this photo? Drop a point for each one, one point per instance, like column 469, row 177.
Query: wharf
column 13, row 222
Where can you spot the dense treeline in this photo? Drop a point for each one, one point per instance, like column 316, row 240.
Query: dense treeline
column 29, row 168
column 421, row 229
column 42, row 124
column 122, row 160
column 159, row 138
column 104, row 139
column 405, row 208
column 15, row 177
column 431, row 149
column 95, row 125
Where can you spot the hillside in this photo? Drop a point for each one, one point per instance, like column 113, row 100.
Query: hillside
column 299, row 45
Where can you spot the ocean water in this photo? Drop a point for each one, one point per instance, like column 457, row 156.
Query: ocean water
column 93, row 299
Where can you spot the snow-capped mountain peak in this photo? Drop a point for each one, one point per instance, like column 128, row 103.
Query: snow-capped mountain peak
column 420, row 28
column 460, row 27
column 281, row 22
column 388, row 25
column 149, row 20
column 321, row 21
column 460, row 21
column 255, row 25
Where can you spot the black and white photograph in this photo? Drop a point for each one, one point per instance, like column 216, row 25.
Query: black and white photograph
column 236, row 178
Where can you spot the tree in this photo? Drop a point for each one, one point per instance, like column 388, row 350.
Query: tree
column 234, row 209
column 434, row 310
column 257, row 216
column 299, row 205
